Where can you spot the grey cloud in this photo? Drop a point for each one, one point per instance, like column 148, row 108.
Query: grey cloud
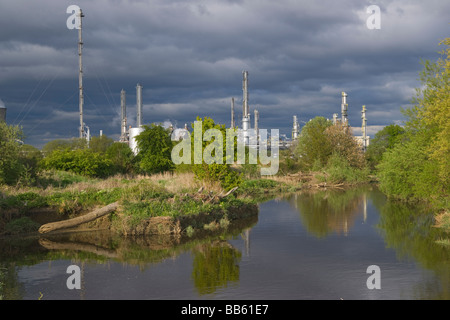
column 189, row 56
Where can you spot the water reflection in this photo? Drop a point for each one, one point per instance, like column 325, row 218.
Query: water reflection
column 215, row 261
column 409, row 231
column 370, row 229
column 330, row 211
column 215, row 266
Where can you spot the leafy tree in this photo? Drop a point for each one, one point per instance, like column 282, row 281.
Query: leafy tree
column 30, row 158
column 155, row 148
column 384, row 140
column 221, row 172
column 342, row 142
column 10, row 165
column 320, row 139
column 100, row 144
column 419, row 166
column 63, row 144
column 313, row 147
column 80, row 161
column 121, row 157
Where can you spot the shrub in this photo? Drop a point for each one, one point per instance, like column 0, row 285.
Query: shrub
column 81, row 161
column 155, row 150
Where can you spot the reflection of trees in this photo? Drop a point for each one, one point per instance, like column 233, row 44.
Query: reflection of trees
column 215, row 265
column 324, row 212
column 409, row 230
column 144, row 251
column 10, row 288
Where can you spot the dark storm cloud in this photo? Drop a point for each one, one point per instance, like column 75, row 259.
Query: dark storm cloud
column 189, row 56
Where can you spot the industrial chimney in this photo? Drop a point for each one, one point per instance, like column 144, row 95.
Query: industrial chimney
column 233, row 123
column 139, row 105
column 295, row 129
column 245, row 109
column 344, row 107
column 257, row 126
column 123, row 108
column 365, row 138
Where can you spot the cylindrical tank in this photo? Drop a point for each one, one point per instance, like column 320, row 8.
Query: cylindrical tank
column 133, row 132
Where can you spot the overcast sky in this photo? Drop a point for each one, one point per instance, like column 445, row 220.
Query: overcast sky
column 189, row 57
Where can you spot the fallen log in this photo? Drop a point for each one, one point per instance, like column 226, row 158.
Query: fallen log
column 79, row 220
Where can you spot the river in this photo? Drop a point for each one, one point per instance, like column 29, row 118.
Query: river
column 310, row 245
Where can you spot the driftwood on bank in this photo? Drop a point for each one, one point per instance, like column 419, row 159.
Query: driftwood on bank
column 79, row 220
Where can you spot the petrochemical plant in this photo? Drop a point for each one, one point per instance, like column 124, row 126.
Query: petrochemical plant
column 250, row 137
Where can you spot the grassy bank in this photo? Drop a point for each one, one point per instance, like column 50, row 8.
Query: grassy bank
column 175, row 196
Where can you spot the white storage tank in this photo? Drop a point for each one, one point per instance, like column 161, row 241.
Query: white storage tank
column 133, row 133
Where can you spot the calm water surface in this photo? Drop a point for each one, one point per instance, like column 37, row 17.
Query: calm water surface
column 304, row 246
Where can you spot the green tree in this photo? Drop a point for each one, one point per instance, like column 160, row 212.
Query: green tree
column 384, row 140
column 341, row 141
column 155, row 147
column 419, row 166
column 80, row 161
column 10, row 164
column 216, row 171
column 100, row 144
column 121, row 157
column 313, row 147
column 63, row 144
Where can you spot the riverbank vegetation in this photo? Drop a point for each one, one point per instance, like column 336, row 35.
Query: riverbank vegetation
column 410, row 163
column 413, row 164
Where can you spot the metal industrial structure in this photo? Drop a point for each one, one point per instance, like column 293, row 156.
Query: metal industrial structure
column 233, row 122
column 80, row 75
column 134, row 132
column 123, row 109
column 245, row 109
column 364, row 139
column 295, row 129
column 344, row 109
column 256, row 127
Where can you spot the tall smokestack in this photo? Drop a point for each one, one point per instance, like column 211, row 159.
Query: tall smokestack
column 364, row 128
column 123, row 108
column 245, row 112
column 245, row 92
column 139, row 105
column 233, row 123
column 257, row 126
column 344, row 107
column 295, row 129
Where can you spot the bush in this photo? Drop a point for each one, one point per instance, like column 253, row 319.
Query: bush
column 10, row 165
column 121, row 157
column 81, row 161
column 339, row 170
column 155, row 150
column 407, row 172
column 220, row 172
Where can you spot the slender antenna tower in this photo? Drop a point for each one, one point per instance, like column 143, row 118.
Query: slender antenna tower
column 233, row 124
column 123, row 107
column 80, row 76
